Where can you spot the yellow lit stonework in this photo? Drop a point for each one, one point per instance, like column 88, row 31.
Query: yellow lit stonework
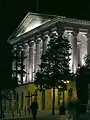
column 48, row 95
column 56, row 98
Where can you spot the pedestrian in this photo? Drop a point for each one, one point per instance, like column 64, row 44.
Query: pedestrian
column 34, row 107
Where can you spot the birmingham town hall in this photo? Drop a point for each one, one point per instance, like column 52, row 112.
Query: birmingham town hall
column 32, row 37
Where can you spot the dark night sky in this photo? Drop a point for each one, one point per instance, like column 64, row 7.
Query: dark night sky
column 12, row 12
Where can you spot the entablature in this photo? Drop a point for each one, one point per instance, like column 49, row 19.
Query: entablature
column 66, row 23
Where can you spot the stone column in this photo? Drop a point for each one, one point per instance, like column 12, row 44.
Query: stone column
column 19, row 54
column 22, row 61
column 38, row 54
column 45, row 39
column 25, row 55
column 71, row 50
column 60, row 30
column 74, row 53
column 26, row 47
column 14, row 63
column 54, row 34
column 88, row 43
column 27, row 64
column 78, row 53
column 31, row 62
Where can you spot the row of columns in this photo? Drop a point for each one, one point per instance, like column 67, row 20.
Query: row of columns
column 76, row 45
column 33, row 50
column 88, row 43
column 36, row 49
column 38, row 45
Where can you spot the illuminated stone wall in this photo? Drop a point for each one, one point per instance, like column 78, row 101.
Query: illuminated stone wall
column 48, row 96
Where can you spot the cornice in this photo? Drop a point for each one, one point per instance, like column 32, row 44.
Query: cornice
column 75, row 21
column 47, row 25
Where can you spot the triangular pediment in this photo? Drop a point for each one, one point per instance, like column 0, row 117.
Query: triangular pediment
column 30, row 22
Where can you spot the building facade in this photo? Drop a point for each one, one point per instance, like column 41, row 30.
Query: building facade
column 31, row 38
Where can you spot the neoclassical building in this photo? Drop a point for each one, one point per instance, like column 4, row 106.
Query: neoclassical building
column 32, row 37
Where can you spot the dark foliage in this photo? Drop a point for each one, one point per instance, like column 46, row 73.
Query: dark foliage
column 54, row 65
column 18, row 58
column 6, row 67
column 82, row 81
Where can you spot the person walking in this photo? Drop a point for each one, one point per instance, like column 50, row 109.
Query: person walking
column 34, row 107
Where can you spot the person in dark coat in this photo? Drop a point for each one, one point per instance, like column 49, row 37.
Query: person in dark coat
column 34, row 107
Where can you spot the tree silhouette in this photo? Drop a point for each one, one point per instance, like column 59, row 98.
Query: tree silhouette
column 18, row 57
column 82, row 81
column 54, row 65
column 7, row 82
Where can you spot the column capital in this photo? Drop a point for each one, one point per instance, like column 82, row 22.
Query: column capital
column 54, row 33
column 45, row 37
column 38, row 40
column 25, row 45
column 88, row 34
column 14, row 47
column 30, row 43
column 20, row 47
column 60, row 30
column 69, row 33
column 75, row 32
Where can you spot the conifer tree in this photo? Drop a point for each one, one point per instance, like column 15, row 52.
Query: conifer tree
column 54, row 67
column 82, row 81
column 18, row 57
